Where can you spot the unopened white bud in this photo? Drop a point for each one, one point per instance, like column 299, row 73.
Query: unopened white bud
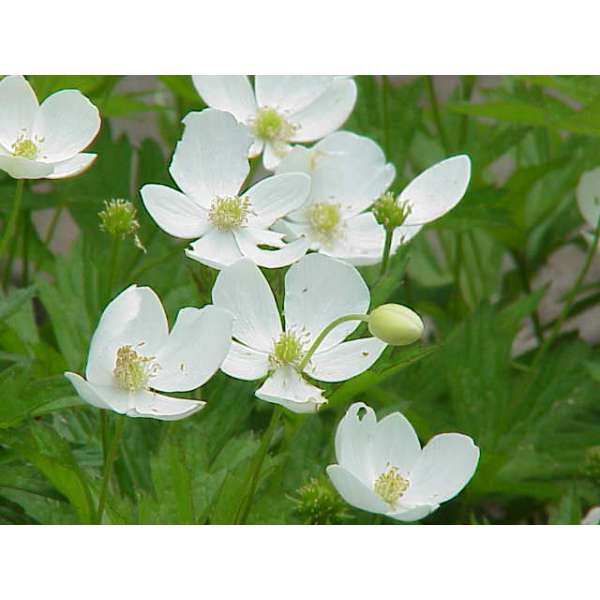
column 395, row 324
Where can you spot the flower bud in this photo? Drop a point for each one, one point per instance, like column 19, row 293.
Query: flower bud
column 318, row 504
column 395, row 324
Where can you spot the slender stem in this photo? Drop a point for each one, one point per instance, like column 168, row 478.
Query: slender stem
column 523, row 271
column 8, row 263
column 52, row 226
column 257, row 463
column 104, row 433
column 554, row 333
column 25, row 242
column 12, row 218
column 468, row 84
column 114, row 259
column 319, row 339
column 108, row 465
column 385, row 261
column 437, row 119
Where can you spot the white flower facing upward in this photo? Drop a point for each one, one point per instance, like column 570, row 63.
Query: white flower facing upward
column 132, row 354
column 46, row 140
column 210, row 165
column 281, row 109
column 588, row 200
column 318, row 290
column 382, row 468
column 349, row 174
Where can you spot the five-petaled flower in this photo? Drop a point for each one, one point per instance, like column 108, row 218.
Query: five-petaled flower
column 318, row 290
column 382, row 468
column 46, row 140
column 132, row 354
column 210, row 165
column 281, row 110
column 349, row 174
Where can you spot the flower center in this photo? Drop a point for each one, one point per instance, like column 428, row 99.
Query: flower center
column 325, row 221
column 25, row 148
column 287, row 350
column 390, row 486
column 269, row 125
column 229, row 213
column 133, row 371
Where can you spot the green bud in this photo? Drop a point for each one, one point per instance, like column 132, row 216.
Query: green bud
column 318, row 503
column 395, row 324
column 389, row 213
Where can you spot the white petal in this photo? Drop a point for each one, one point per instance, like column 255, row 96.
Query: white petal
column 72, row 166
column 395, row 445
column 23, row 168
column 437, row 190
column 350, row 170
column 256, row 148
column 245, row 363
column 231, row 93
column 243, row 290
column 266, row 237
column 445, row 466
column 298, row 160
column 403, row 234
column 413, row 514
column 290, row 93
column 174, row 212
column 354, row 491
column 211, row 160
column 345, row 360
column 588, row 196
column 362, row 243
column 287, row 387
column 216, row 249
column 18, row 107
column 196, row 348
column 67, row 122
column 156, row 406
column 86, row 392
column 134, row 318
column 327, row 113
column 353, row 440
column 276, row 196
column 592, row 517
column 319, row 289
column 272, row 259
column 272, row 155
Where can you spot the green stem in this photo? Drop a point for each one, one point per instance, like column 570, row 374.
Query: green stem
column 25, row 242
column 385, row 260
column 437, row 119
column 570, row 299
column 12, row 218
column 319, row 339
column 259, row 459
column 108, row 466
column 114, row 258
column 523, row 271
column 52, row 226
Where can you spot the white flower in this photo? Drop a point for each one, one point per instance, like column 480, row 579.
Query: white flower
column 44, row 140
column 318, row 290
column 588, row 200
column 592, row 517
column 132, row 354
column 349, row 174
column 282, row 109
column 382, row 468
column 210, row 165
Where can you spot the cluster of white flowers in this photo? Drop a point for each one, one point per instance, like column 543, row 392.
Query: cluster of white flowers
column 316, row 212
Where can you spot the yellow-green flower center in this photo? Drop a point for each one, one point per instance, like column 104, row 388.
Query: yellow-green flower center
column 287, row 350
column 390, row 486
column 229, row 213
column 25, row 148
column 132, row 371
column 325, row 221
column 269, row 125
